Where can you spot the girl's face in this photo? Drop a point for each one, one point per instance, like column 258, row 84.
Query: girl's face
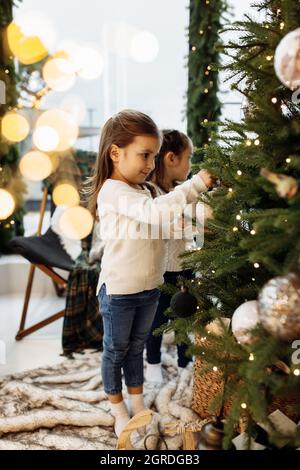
column 178, row 167
column 133, row 163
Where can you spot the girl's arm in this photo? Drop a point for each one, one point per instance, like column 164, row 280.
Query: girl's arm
column 192, row 222
column 122, row 199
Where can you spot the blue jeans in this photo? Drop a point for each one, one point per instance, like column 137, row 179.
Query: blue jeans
column 127, row 320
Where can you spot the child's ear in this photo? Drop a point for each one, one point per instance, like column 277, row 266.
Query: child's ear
column 114, row 153
column 170, row 158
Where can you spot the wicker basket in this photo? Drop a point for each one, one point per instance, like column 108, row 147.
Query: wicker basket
column 205, row 389
column 207, row 386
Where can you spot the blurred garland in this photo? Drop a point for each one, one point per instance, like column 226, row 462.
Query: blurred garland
column 203, row 104
column 10, row 178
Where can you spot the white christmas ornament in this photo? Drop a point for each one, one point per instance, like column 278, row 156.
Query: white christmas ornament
column 287, row 60
column 244, row 318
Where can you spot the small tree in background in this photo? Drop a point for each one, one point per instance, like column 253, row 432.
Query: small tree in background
column 203, row 102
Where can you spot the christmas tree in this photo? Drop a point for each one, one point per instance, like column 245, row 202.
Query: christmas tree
column 249, row 264
column 11, row 184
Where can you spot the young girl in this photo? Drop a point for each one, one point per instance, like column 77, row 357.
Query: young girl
column 133, row 262
column 172, row 164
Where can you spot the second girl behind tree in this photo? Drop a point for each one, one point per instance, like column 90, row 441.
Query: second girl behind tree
column 172, row 165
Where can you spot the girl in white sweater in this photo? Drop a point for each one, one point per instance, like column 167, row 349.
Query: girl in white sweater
column 133, row 262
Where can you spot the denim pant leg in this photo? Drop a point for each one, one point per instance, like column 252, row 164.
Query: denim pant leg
column 182, row 358
column 153, row 344
column 145, row 312
column 118, row 318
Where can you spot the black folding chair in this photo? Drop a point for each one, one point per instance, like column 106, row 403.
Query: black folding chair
column 44, row 251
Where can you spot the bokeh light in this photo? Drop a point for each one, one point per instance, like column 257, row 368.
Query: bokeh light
column 45, row 138
column 27, row 50
column 63, row 123
column 7, row 204
column 76, row 223
column 144, row 47
column 65, row 194
column 58, row 74
column 90, row 63
column 86, row 61
column 14, row 127
column 35, row 166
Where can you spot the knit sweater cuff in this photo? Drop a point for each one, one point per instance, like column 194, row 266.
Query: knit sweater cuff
column 199, row 184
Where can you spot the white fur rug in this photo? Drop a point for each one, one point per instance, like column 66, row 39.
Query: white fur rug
column 64, row 407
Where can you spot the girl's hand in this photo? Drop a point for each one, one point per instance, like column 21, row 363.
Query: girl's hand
column 207, row 178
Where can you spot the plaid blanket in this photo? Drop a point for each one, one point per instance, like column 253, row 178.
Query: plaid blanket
column 82, row 327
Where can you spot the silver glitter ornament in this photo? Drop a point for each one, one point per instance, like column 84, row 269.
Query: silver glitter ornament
column 279, row 307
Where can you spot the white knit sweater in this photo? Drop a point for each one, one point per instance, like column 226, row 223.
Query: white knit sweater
column 134, row 229
column 174, row 248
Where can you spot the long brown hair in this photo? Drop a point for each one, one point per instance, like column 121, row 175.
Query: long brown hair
column 120, row 129
column 173, row 141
